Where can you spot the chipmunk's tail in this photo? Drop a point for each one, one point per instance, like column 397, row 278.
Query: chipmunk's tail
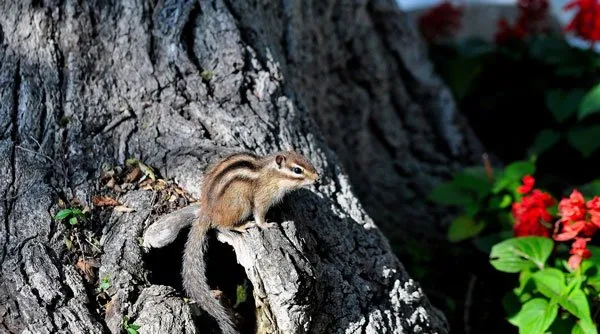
column 194, row 276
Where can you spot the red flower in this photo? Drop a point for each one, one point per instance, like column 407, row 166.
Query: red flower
column 506, row 33
column 593, row 207
column 533, row 10
column 580, row 221
column 531, row 19
column 528, row 182
column 573, row 208
column 586, row 22
column 531, row 214
column 579, row 252
column 443, row 20
column 572, row 229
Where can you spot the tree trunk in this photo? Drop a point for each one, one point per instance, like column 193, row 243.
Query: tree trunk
column 175, row 84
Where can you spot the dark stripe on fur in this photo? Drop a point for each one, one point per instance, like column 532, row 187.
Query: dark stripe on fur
column 249, row 164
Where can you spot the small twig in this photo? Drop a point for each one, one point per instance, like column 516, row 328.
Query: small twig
column 36, row 153
column 35, row 141
column 468, row 302
column 80, row 247
column 489, row 170
column 125, row 115
column 91, row 244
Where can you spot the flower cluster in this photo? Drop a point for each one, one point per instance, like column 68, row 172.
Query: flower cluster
column 531, row 20
column 531, row 213
column 579, row 221
column 441, row 21
column 586, row 22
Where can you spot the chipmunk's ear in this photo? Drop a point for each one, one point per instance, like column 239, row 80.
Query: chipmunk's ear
column 279, row 160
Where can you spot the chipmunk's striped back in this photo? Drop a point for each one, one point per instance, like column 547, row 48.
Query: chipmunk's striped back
column 239, row 166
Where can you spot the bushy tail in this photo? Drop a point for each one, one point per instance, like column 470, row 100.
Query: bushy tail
column 194, row 276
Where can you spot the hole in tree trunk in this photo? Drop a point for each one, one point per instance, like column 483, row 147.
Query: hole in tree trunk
column 222, row 271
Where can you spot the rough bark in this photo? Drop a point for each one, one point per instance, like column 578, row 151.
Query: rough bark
column 179, row 83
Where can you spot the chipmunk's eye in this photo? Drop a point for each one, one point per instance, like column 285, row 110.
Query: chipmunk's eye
column 297, row 170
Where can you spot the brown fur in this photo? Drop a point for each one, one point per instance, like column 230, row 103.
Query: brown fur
column 238, row 186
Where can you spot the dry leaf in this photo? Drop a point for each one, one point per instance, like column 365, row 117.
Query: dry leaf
column 104, row 201
column 87, row 268
column 75, row 202
column 110, row 308
column 146, row 184
column 160, row 184
column 111, row 183
column 133, row 175
column 122, row 208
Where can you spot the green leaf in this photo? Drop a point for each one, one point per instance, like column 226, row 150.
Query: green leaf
column 535, row 316
column 585, row 140
column 577, row 304
column 131, row 162
column 518, row 169
column 506, row 201
column 241, row 295
column 76, row 212
column 68, row 243
column 511, row 176
column 590, row 189
column 526, row 286
column 594, row 282
column 104, row 284
column 544, row 141
column 134, row 326
column 131, row 330
column 73, row 221
column 464, row 227
column 500, row 202
column 472, row 209
column 584, row 327
column 207, row 75
column 590, row 103
column 563, row 103
column 516, row 254
column 62, row 214
column 472, row 180
column 449, row 194
column 550, row 282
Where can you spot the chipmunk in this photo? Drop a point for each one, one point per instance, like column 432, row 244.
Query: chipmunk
column 238, row 186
